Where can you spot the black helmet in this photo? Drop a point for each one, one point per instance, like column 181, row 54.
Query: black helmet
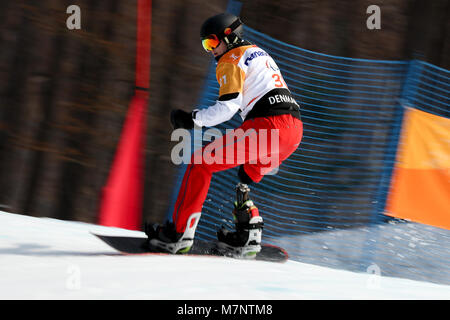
column 224, row 26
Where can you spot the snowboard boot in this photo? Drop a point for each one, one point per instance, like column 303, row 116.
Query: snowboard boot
column 167, row 239
column 245, row 241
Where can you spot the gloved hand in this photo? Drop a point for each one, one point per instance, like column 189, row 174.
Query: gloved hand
column 181, row 119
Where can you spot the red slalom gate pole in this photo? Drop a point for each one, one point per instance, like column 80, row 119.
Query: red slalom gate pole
column 143, row 47
column 122, row 196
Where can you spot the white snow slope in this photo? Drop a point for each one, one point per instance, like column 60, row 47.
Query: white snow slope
column 42, row 258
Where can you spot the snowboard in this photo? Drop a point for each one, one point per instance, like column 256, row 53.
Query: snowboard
column 139, row 245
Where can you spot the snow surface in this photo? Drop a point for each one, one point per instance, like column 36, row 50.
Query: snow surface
column 42, row 258
column 396, row 249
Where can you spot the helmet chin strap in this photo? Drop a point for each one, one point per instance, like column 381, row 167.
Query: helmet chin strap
column 230, row 44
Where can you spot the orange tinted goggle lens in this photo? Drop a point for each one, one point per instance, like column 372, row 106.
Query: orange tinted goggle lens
column 210, row 42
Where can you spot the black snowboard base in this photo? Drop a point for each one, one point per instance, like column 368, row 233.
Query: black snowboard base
column 139, row 245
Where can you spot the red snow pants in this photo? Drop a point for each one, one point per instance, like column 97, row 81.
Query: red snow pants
column 259, row 144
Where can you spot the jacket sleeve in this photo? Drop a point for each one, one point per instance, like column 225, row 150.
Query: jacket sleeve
column 231, row 81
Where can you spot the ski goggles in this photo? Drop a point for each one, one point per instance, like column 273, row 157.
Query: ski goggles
column 210, row 42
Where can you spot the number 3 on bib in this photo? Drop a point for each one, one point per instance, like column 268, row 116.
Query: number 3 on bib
column 279, row 82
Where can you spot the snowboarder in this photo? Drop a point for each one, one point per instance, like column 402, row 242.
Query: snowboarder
column 251, row 83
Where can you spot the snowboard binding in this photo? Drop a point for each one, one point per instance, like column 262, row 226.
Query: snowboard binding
column 245, row 241
column 165, row 238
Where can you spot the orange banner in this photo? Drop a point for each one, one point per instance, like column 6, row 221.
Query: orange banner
column 420, row 186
